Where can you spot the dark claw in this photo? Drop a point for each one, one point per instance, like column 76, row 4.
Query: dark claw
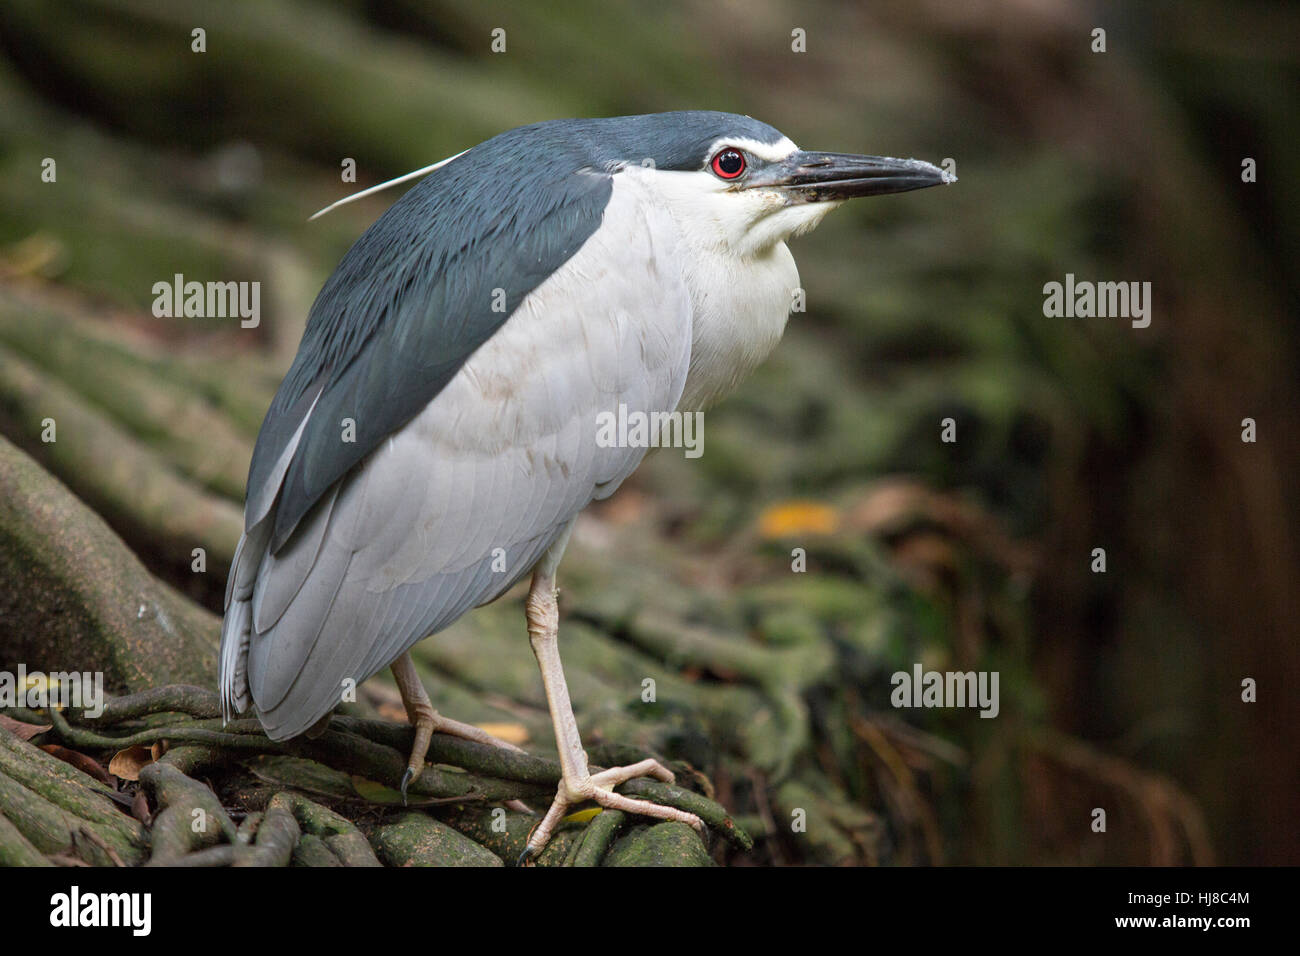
column 406, row 778
column 526, row 856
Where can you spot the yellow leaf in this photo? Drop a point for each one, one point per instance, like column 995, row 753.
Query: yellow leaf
column 375, row 792
column 394, row 712
column 582, row 816
column 798, row 517
column 515, row 734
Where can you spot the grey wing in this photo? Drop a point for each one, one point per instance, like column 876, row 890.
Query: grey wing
column 458, row 504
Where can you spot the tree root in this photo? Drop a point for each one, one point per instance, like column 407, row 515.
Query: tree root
column 193, row 828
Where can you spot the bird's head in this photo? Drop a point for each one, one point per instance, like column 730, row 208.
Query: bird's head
column 738, row 183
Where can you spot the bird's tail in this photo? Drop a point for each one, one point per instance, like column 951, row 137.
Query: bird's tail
column 236, row 628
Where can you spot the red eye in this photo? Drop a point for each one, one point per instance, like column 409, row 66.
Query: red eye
column 729, row 163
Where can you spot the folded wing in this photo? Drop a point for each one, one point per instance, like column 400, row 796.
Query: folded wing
column 453, row 506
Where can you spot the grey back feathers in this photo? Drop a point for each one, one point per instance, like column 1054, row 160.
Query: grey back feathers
column 418, row 292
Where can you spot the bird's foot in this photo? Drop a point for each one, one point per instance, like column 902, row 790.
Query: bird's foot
column 427, row 722
column 598, row 787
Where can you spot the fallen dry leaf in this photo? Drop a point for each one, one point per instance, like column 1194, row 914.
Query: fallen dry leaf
column 128, row 763
column 87, row 765
column 21, row 729
column 140, row 808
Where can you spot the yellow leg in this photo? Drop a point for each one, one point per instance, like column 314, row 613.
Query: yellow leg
column 577, row 783
column 427, row 722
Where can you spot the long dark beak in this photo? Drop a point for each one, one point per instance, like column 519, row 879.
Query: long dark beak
column 826, row 177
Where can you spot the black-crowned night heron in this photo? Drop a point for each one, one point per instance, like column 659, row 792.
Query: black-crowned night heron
column 436, row 435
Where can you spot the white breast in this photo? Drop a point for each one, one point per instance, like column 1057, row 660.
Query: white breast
column 741, row 295
column 740, row 311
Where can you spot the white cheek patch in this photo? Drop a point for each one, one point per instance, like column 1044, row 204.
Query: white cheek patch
column 768, row 152
column 713, row 214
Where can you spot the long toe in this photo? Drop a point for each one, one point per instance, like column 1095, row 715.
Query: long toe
column 598, row 788
column 616, row 801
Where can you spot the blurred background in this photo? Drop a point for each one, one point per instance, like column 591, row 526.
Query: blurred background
column 1120, row 690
